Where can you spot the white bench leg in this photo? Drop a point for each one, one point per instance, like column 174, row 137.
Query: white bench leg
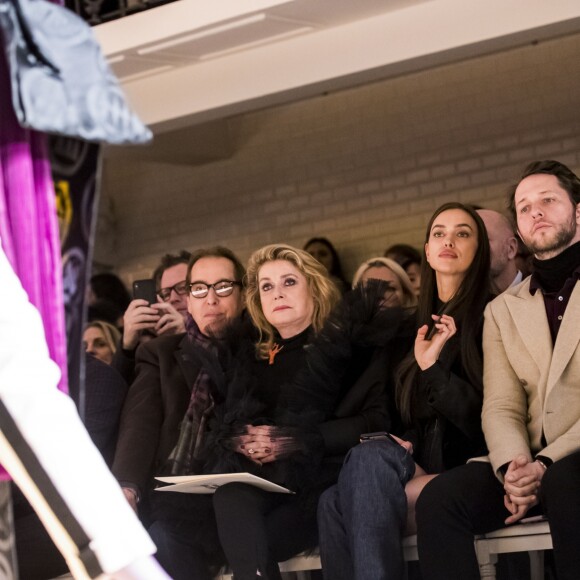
column 486, row 560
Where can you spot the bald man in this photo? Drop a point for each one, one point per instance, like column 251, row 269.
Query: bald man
column 504, row 248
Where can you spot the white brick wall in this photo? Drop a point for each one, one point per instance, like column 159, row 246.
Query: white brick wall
column 364, row 167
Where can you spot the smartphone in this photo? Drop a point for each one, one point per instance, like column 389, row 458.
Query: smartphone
column 145, row 289
column 433, row 329
column 378, row 436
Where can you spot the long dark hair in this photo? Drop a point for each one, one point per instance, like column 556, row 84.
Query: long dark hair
column 466, row 306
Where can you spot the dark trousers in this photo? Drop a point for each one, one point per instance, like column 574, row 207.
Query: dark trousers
column 38, row 557
column 258, row 529
column 185, row 533
column 468, row 500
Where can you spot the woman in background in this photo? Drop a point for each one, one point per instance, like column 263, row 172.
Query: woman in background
column 410, row 260
column 399, row 291
column 101, row 339
column 322, row 250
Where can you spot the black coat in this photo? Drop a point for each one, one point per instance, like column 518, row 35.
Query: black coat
column 153, row 410
column 105, row 392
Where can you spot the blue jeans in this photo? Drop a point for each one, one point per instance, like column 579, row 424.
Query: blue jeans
column 361, row 519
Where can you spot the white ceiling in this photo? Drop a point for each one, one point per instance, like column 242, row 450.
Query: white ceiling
column 190, row 61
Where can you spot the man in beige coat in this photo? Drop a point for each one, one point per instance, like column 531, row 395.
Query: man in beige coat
column 531, row 409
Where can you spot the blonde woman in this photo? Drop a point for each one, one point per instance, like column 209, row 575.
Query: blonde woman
column 399, row 290
column 300, row 363
column 287, row 291
column 101, row 339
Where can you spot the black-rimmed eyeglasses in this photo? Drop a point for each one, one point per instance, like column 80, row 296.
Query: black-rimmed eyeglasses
column 222, row 288
column 180, row 289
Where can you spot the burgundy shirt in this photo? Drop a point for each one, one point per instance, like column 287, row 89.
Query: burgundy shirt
column 556, row 302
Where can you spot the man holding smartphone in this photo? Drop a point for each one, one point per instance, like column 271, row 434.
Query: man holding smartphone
column 165, row 317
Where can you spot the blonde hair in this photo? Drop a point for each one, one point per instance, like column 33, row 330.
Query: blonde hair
column 409, row 297
column 110, row 333
column 324, row 292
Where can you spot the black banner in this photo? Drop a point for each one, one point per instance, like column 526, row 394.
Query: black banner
column 75, row 170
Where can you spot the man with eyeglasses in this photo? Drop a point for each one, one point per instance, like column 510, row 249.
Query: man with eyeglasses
column 169, row 279
column 165, row 318
column 172, row 389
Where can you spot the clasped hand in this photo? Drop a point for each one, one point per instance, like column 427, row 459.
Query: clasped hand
column 262, row 444
column 521, row 485
column 256, row 444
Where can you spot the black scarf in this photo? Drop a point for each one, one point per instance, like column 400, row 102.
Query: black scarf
column 185, row 457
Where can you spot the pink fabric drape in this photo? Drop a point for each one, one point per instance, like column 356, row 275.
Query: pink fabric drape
column 28, row 221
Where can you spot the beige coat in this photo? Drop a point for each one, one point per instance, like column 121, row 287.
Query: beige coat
column 530, row 386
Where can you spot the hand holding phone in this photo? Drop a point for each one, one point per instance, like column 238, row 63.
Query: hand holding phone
column 145, row 290
column 433, row 329
column 427, row 350
column 140, row 318
column 384, row 436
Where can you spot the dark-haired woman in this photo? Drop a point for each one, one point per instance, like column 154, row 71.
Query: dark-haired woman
column 439, row 394
column 322, row 250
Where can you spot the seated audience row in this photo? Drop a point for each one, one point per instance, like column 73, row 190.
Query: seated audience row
column 286, row 392
column 278, row 410
column 107, row 291
column 531, row 403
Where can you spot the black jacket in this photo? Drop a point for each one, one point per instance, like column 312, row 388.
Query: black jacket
column 447, row 413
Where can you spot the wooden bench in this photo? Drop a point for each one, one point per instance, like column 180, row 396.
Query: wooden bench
column 532, row 538
column 303, row 563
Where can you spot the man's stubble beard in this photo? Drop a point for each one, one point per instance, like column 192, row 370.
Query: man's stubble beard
column 565, row 234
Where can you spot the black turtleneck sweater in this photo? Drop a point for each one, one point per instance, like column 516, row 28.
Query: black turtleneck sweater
column 283, row 368
column 556, row 279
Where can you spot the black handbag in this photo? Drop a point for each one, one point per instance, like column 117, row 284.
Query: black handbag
column 60, row 80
